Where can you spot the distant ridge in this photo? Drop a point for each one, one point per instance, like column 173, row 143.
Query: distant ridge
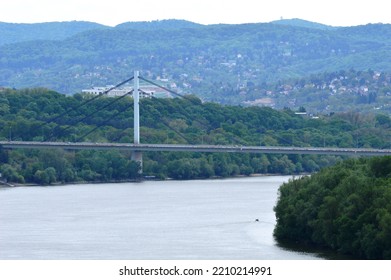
column 168, row 24
column 304, row 23
column 21, row 32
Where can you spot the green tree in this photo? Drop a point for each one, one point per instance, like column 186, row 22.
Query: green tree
column 345, row 208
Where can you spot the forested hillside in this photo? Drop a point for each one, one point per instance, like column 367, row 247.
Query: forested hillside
column 223, row 63
column 325, row 93
column 22, row 32
column 346, row 208
column 34, row 115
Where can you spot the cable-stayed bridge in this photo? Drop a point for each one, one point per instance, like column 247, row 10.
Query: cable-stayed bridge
column 137, row 148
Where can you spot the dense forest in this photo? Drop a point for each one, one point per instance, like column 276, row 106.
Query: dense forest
column 346, row 208
column 44, row 115
column 221, row 63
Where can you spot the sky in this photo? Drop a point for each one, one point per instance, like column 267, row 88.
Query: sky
column 113, row 12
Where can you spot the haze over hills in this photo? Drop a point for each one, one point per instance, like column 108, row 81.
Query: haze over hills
column 158, row 24
column 20, row 32
column 304, row 23
column 224, row 63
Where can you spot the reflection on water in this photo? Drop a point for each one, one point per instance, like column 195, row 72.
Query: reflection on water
column 205, row 219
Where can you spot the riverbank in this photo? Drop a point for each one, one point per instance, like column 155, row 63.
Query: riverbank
column 147, row 178
column 6, row 184
column 322, row 252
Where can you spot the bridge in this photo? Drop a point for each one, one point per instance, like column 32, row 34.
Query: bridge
column 194, row 148
column 137, row 148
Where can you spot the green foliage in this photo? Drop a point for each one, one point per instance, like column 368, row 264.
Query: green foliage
column 45, row 177
column 346, row 208
column 10, row 174
column 33, row 115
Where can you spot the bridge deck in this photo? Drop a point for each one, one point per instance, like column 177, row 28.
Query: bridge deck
column 195, row 148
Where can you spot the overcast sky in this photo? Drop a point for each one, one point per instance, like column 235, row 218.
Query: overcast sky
column 113, row 12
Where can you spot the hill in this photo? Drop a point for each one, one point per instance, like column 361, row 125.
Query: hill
column 303, row 23
column 222, row 63
column 326, row 93
column 21, row 32
column 170, row 24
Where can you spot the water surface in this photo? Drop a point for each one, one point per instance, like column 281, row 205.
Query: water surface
column 204, row 219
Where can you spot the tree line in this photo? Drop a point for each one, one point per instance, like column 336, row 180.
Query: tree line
column 44, row 115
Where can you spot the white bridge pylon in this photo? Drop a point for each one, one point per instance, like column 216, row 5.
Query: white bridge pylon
column 136, row 155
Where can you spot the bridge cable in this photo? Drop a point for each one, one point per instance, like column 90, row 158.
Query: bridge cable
column 91, row 114
column 232, row 138
column 165, row 123
column 43, row 123
column 82, row 104
column 86, row 102
column 103, row 123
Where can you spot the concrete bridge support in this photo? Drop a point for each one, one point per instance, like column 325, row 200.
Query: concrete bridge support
column 136, row 155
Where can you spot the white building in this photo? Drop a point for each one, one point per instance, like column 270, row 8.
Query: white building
column 144, row 92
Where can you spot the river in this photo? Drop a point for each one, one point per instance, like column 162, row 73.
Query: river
column 183, row 220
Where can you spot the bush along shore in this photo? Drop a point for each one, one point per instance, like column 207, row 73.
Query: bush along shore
column 345, row 208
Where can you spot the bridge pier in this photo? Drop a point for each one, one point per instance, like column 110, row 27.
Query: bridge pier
column 136, row 155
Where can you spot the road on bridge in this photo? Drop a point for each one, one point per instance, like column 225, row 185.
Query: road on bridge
column 195, row 148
